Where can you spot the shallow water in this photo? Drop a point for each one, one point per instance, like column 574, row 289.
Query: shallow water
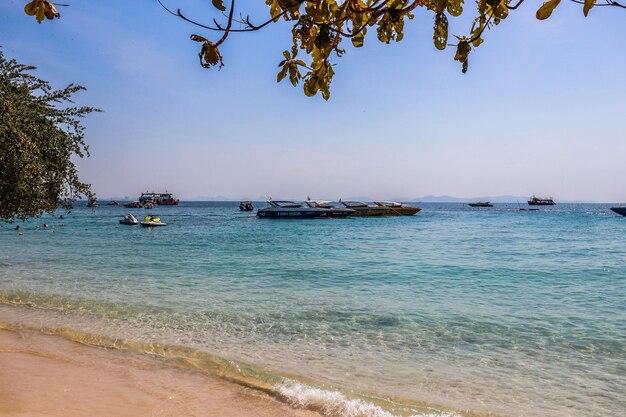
column 493, row 310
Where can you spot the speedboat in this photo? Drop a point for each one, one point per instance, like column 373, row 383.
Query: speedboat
column 480, row 204
column 129, row 219
column 398, row 209
column 619, row 210
column 332, row 211
column 246, row 206
column 290, row 210
column 362, row 209
column 152, row 221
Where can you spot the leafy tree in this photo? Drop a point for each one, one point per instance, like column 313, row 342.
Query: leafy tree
column 319, row 28
column 39, row 135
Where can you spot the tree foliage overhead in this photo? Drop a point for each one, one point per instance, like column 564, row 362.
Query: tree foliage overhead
column 39, row 134
column 320, row 27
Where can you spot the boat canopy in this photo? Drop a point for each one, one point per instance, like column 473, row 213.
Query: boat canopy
column 388, row 203
column 284, row 204
column 318, row 203
column 354, row 204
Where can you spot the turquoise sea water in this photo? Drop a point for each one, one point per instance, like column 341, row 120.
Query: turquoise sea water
column 493, row 310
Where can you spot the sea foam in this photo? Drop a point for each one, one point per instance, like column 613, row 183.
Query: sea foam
column 335, row 404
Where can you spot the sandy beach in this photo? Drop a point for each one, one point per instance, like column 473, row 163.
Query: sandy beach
column 47, row 375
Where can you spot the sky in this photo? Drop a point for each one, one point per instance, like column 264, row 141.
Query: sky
column 541, row 109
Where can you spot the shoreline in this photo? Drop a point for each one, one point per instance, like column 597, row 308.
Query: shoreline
column 49, row 375
column 34, row 355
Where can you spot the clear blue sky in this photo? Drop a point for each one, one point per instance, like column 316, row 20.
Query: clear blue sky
column 541, row 110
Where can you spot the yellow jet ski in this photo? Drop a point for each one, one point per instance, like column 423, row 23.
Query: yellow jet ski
column 152, row 221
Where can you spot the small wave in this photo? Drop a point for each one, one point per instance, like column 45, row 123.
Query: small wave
column 298, row 392
column 335, row 404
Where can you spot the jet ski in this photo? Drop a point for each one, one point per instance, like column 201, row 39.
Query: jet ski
column 129, row 219
column 152, row 221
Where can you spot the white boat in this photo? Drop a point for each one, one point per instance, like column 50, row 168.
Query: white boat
column 159, row 199
column 129, row 219
column 152, row 221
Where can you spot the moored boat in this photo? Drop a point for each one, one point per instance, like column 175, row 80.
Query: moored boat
column 331, row 210
column 480, row 204
column 159, row 199
column 398, row 209
column 362, row 209
column 246, row 205
column 133, row 204
column 619, row 210
column 290, row 210
column 92, row 203
column 536, row 201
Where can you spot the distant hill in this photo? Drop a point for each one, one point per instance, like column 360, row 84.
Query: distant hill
column 493, row 199
column 450, row 199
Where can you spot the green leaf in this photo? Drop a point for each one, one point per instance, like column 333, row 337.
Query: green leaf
column 455, row 7
column 198, row 38
column 546, row 10
column 358, row 39
column 282, row 73
column 294, row 75
column 310, row 87
column 588, row 6
column 219, row 4
column 462, row 52
column 440, row 35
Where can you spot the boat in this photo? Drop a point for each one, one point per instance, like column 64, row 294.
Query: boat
column 152, row 221
column 619, row 210
column 148, row 205
column 129, row 219
column 133, row 204
column 92, row 203
column 246, row 205
column 362, row 209
column 290, row 210
column 113, row 203
column 398, row 209
column 480, row 204
column 536, row 201
column 158, row 199
column 331, row 210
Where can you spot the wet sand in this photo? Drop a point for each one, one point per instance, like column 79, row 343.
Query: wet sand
column 47, row 375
